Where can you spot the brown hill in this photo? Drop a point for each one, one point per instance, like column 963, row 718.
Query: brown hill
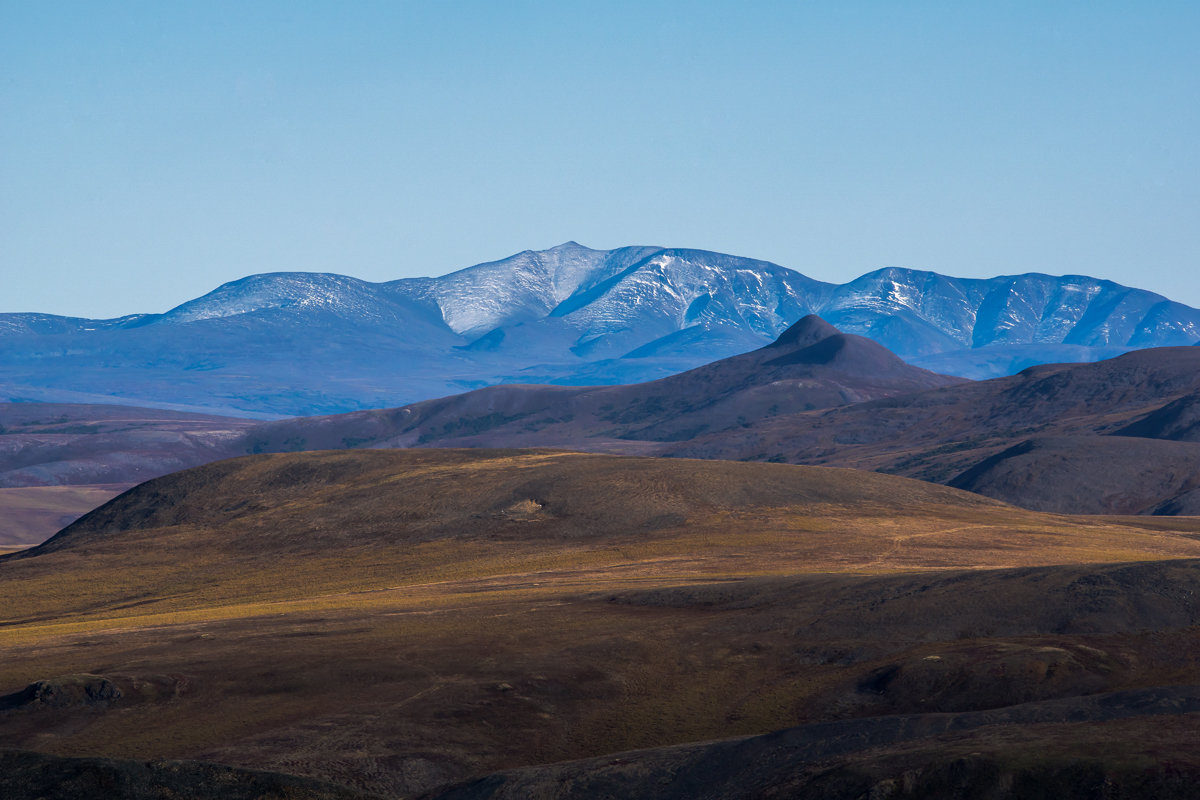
column 399, row 620
column 995, row 436
column 806, row 399
column 1096, row 474
column 810, row 366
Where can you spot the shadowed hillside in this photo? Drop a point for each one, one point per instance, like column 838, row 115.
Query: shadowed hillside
column 1077, row 438
column 34, row 776
column 811, row 365
column 1026, row 753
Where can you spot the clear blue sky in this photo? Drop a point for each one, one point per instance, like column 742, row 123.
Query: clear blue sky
column 150, row 151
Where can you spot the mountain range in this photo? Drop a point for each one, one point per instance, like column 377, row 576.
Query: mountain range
column 447, row 600
column 285, row 344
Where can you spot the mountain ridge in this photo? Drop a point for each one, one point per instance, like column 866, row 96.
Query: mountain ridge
column 290, row 343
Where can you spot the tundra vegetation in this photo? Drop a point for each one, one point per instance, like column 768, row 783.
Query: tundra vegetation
column 399, row 622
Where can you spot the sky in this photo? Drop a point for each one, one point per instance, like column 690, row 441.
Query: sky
column 151, row 151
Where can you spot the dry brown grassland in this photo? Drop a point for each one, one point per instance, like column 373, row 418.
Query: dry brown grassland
column 395, row 620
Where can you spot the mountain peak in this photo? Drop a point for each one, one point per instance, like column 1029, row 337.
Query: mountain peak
column 272, row 290
column 805, row 333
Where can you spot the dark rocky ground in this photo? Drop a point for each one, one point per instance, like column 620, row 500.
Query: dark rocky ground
column 1114, row 749
column 34, row 776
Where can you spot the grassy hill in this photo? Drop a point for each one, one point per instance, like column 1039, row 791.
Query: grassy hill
column 393, row 621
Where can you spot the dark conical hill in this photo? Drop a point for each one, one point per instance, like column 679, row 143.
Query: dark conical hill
column 811, row 366
column 1115, row 436
column 804, row 333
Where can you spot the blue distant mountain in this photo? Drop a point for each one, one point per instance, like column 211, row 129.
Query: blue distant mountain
column 283, row 344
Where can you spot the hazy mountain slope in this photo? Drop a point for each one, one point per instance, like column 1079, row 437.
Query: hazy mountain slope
column 639, row 310
column 48, row 444
column 274, row 344
column 522, row 288
column 306, row 343
column 916, row 313
column 30, row 515
column 998, row 360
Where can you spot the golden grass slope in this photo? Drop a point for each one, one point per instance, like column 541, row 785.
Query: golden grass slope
column 299, row 527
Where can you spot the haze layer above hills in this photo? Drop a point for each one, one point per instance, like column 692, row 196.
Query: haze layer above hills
column 395, row 621
column 283, row 344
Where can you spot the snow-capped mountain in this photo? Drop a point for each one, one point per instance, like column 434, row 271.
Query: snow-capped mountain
column 521, row 288
column 302, row 343
column 956, row 313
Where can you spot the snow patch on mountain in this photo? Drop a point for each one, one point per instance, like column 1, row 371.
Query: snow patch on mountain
column 523, row 287
column 299, row 291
